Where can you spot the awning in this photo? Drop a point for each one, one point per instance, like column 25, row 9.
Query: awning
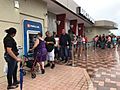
column 57, row 8
column 105, row 24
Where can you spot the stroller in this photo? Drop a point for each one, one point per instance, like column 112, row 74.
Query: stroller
column 31, row 63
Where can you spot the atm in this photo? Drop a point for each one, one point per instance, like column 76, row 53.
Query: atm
column 31, row 29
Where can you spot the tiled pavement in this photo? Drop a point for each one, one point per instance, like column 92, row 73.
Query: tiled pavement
column 102, row 65
column 60, row 78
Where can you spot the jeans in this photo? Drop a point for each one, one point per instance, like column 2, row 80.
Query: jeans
column 64, row 52
column 57, row 52
column 12, row 69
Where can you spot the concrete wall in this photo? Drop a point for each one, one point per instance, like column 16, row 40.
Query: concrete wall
column 34, row 10
column 70, row 4
column 92, row 32
column 9, row 17
column 52, row 22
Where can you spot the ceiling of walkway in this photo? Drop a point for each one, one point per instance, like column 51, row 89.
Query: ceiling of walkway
column 57, row 9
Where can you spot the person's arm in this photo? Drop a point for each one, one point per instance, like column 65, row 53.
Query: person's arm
column 69, row 40
column 35, row 44
column 10, row 52
column 51, row 42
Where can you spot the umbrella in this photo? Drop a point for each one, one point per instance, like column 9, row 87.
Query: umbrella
column 21, row 78
column 21, row 73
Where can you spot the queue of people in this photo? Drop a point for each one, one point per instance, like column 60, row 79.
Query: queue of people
column 45, row 49
column 70, row 45
column 103, row 41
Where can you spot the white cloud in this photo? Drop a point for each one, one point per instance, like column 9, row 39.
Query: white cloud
column 102, row 9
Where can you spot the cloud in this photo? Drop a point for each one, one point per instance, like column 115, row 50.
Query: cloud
column 102, row 9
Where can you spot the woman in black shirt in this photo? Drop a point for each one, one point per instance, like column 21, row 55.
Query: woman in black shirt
column 11, row 58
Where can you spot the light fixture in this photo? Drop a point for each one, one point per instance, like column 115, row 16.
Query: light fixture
column 58, row 22
column 71, row 26
column 79, row 28
column 16, row 4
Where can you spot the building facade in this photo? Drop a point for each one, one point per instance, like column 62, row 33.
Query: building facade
column 28, row 14
column 100, row 27
column 32, row 16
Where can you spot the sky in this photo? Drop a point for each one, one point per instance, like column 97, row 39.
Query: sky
column 102, row 10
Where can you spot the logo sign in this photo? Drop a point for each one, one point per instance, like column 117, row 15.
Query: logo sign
column 80, row 10
column 31, row 26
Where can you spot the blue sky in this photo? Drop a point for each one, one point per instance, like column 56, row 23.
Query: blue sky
column 102, row 10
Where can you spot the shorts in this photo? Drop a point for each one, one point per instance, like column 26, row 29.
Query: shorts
column 50, row 55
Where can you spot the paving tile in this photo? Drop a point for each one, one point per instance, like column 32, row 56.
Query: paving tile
column 113, row 89
column 61, row 78
column 101, row 83
column 103, row 88
column 101, row 66
column 110, row 85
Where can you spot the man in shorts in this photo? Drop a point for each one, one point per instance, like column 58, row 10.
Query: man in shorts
column 50, row 42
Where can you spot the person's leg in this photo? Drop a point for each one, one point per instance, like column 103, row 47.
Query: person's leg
column 52, row 59
column 48, row 61
column 78, row 51
column 66, row 54
column 62, row 53
column 81, row 49
column 9, row 74
column 42, row 67
column 11, row 66
column 56, row 52
column 15, row 81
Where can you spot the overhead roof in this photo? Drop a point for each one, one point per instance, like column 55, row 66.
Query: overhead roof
column 57, row 8
column 106, row 24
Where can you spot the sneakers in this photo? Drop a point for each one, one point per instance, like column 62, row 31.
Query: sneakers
column 12, row 87
column 42, row 71
column 53, row 65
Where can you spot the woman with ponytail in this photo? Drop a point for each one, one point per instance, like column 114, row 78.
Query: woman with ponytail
column 10, row 55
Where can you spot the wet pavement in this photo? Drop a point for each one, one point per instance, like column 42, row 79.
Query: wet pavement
column 62, row 77
column 102, row 66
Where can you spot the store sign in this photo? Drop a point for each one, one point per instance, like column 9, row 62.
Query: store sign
column 31, row 25
column 30, row 28
column 80, row 10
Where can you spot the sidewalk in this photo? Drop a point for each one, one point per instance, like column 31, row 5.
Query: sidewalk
column 60, row 78
column 103, row 67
